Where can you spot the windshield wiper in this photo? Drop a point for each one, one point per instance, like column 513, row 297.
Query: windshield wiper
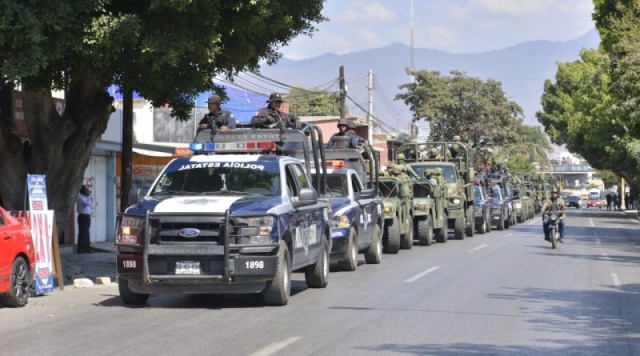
column 239, row 192
column 174, row 192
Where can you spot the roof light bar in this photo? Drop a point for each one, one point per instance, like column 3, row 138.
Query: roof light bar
column 233, row 146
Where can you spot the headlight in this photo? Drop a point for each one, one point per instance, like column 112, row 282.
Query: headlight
column 264, row 224
column 518, row 205
column 130, row 231
column 421, row 207
column 340, row 221
column 456, row 201
column 387, row 209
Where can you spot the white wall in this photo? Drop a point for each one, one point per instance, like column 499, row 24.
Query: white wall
column 142, row 123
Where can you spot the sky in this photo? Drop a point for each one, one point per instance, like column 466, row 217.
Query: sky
column 457, row 26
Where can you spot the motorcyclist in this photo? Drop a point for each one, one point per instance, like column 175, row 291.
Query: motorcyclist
column 554, row 205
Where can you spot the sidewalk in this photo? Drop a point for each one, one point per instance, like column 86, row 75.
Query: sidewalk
column 101, row 263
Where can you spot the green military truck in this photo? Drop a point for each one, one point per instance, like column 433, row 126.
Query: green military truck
column 458, row 174
column 397, row 192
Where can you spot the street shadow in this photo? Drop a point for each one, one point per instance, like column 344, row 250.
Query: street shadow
column 608, row 318
column 199, row 301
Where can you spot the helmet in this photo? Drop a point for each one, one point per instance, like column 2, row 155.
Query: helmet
column 456, row 138
column 351, row 125
column 438, row 171
column 214, row 99
column 343, row 122
column 400, row 157
column 434, row 152
column 554, row 190
column 275, row 97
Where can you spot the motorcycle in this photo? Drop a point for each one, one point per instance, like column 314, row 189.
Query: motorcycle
column 552, row 229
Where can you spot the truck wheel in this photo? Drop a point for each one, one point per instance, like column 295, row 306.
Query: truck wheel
column 128, row 296
column 19, row 284
column 409, row 236
column 458, row 228
column 507, row 223
column 482, row 229
column 513, row 220
column 441, row 235
column 351, row 262
column 488, row 222
column 392, row 235
column 317, row 275
column 471, row 220
column 425, row 231
column 278, row 290
column 373, row 255
column 500, row 225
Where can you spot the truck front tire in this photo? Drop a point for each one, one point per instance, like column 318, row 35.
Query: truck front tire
column 317, row 275
column 128, row 296
column 278, row 290
column 392, row 234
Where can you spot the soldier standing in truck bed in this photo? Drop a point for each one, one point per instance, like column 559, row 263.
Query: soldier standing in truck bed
column 221, row 119
column 271, row 116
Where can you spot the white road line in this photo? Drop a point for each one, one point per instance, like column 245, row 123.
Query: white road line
column 591, row 222
column 534, row 221
column 421, row 274
column 507, row 235
column 616, row 280
column 605, row 257
column 276, row 346
column 478, row 248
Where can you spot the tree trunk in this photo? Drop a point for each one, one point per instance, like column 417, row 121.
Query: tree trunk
column 60, row 145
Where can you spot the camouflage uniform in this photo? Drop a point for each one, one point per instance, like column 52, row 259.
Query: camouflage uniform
column 403, row 168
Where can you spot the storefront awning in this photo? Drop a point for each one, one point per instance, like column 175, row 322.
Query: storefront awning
column 162, row 149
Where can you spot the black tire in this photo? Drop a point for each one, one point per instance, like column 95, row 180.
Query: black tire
column 471, row 220
column 373, row 255
column 425, row 231
column 409, row 235
column 406, row 243
column 501, row 225
column 552, row 237
column 482, row 229
column 507, row 223
column 128, row 296
column 351, row 262
column 278, row 290
column 513, row 220
column 520, row 219
column 392, row 235
column 488, row 221
column 19, row 284
column 317, row 275
column 458, row 229
column 442, row 235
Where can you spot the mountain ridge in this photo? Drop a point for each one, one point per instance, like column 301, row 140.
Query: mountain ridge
column 522, row 69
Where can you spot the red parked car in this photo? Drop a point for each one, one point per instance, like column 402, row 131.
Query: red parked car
column 17, row 260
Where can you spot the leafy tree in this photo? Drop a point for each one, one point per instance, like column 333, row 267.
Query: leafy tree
column 313, row 102
column 608, row 178
column 167, row 50
column 476, row 110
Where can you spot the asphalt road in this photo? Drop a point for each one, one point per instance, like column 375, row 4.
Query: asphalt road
column 501, row 293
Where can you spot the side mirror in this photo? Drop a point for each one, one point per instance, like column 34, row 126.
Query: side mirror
column 366, row 194
column 307, row 196
column 135, row 195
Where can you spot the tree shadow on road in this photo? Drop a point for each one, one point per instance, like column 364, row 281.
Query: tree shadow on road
column 600, row 322
column 200, row 301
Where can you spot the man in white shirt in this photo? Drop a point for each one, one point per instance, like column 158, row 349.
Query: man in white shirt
column 83, row 207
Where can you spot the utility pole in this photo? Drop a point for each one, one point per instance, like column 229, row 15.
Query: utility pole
column 126, row 170
column 370, row 111
column 343, row 95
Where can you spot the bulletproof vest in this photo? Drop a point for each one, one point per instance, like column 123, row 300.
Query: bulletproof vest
column 340, row 141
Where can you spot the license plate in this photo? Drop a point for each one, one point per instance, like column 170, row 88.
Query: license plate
column 187, row 267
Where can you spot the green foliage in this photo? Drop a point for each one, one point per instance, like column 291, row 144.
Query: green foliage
column 608, row 178
column 169, row 51
column 313, row 102
column 478, row 111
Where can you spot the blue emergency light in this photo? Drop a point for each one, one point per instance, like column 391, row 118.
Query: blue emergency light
column 202, row 147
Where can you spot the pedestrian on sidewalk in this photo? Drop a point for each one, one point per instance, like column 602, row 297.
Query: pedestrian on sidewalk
column 608, row 201
column 83, row 207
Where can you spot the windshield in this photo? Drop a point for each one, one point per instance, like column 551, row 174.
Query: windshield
column 251, row 178
column 337, row 184
column 389, row 189
column 478, row 192
column 448, row 172
column 496, row 192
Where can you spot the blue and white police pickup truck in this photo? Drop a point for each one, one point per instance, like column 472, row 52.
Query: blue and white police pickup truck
column 357, row 221
column 236, row 217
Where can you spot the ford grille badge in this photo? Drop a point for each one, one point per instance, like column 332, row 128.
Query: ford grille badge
column 189, row 233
